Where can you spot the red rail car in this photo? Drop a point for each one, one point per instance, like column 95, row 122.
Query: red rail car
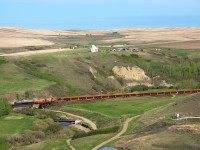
column 123, row 95
column 46, row 102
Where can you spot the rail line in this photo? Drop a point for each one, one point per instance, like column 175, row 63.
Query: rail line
column 46, row 102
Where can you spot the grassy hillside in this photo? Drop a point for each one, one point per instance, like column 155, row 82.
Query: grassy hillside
column 111, row 113
column 80, row 72
column 123, row 107
column 15, row 79
column 158, row 131
column 162, row 140
column 87, row 143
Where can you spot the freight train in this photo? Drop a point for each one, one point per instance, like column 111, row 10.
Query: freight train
column 48, row 101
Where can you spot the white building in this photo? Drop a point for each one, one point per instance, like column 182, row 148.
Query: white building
column 78, row 122
column 94, row 49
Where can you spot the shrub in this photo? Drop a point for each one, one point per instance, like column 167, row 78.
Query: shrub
column 53, row 128
column 5, row 107
column 41, row 114
column 139, row 88
column 3, row 144
column 95, row 132
column 134, row 56
column 39, row 131
column 2, row 60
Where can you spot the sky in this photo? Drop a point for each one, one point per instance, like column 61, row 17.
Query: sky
column 99, row 14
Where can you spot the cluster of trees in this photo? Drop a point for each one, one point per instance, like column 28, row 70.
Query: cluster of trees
column 5, row 107
column 182, row 71
column 2, row 60
column 95, row 132
column 146, row 88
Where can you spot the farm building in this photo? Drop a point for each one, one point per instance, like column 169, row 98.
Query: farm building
column 94, row 49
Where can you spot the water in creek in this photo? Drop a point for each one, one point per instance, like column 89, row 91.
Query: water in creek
column 64, row 124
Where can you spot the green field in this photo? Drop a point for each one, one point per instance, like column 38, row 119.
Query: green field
column 112, row 112
column 123, row 107
column 58, row 144
column 87, row 143
column 14, row 79
column 162, row 132
column 14, row 124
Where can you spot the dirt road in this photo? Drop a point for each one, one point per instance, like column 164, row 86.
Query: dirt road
column 125, row 127
column 185, row 118
column 38, row 52
column 92, row 124
column 68, row 143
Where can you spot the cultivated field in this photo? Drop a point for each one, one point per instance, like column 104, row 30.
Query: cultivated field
column 22, row 39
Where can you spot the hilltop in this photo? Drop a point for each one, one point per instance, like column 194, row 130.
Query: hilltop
column 20, row 39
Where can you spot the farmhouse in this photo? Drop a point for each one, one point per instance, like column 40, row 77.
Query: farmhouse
column 94, row 49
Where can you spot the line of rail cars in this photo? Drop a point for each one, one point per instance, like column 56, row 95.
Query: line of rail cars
column 45, row 102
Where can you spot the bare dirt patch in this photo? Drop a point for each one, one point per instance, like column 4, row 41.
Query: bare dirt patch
column 38, row 52
column 133, row 75
column 193, row 128
column 142, row 35
column 13, row 118
column 182, row 45
column 21, row 42
column 131, row 35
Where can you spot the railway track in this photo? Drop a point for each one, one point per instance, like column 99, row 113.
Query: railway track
column 47, row 102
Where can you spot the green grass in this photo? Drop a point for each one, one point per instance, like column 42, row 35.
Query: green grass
column 130, row 126
column 58, row 144
column 74, row 73
column 123, row 107
column 14, row 79
column 15, row 125
column 50, row 144
column 161, row 140
column 3, row 144
column 74, row 77
column 102, row 121
column 87, row 143
column 111, row 112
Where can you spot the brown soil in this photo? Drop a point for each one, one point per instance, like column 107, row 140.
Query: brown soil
column 28, row 37
column 182, row 45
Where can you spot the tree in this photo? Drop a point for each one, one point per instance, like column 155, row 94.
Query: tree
column 5, row 107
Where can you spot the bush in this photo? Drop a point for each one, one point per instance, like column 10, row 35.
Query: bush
column 47, row 126
column 2, row 60
column 41, row 114
column 139, row 88
column 5, row 107
column 26, row 111
column 39, row 131
column 134, row 56
column 95, row 132
column 3, row 144
column 53, row 128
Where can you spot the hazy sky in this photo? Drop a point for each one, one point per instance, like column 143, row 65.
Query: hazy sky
column 99, row 14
